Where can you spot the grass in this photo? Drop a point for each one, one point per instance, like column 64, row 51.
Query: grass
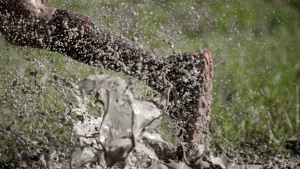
column 255, row 47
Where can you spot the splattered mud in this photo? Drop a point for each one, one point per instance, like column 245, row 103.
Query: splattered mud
column 127, row 135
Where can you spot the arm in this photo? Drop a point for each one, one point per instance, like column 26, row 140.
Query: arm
column 30, row 23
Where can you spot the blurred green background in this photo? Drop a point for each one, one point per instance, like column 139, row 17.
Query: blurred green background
column 255, row 46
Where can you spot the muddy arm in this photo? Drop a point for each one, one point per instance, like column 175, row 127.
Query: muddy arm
column 31, row 23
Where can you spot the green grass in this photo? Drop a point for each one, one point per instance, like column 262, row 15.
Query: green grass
column 255, row 47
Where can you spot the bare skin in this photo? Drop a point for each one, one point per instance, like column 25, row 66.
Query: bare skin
column 37, row 8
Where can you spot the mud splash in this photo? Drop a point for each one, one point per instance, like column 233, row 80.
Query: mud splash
column 127, row 133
